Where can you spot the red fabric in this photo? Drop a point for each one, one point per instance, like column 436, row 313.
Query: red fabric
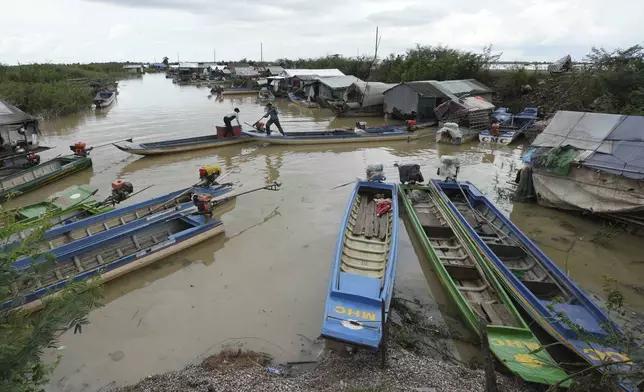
column 382, row 207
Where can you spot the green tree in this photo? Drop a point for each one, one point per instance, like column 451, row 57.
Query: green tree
column 25, row 336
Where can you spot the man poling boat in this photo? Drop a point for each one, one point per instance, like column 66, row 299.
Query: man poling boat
column 274, row 119
column 228, row 121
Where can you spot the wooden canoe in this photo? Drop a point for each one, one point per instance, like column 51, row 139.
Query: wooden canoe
column 543, row 290
column 114, row 253
column 364, row 268
column 472, row 286
column 14, row 163
column 71, row 204
column 332, row 136
column 97, row 224
column 179, row 145
column 34, row 177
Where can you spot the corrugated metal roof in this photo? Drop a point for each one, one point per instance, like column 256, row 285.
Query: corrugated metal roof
column 423, row 87
column 335, row 82
column 275, row 69
column 132, row 66
column 460, row 87
column 188, row 65
column 289, row 73
column 246, row 71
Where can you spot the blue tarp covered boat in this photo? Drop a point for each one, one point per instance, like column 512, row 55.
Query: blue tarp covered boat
column 550, row 297
column 364, row 268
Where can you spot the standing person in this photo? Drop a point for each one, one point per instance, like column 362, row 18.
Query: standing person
column 272, row 112
column 228, row 121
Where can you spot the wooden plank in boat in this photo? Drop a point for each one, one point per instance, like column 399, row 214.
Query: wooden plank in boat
column 370, row 216
column 384, row 225
column 359, row 226
column 462, row 272
column 507, row 251
column 503, row 313
column 438, row 231
column 491, row 314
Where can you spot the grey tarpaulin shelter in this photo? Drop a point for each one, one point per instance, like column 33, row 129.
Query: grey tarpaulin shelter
column 604, row 162
column 16, row 126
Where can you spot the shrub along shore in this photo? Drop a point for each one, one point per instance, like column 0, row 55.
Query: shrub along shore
column 51, row 90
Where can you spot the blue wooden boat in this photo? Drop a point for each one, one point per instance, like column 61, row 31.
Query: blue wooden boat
column 83, row 225
column 506, row 135
column 333, row 136
column 114, row 253
column 549, row 296
column 364, row 268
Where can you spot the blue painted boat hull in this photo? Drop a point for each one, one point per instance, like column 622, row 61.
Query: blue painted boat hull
column 331, row 137
column 363, row 272
column 545, row 295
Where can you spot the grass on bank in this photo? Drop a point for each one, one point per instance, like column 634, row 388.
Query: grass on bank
column 48, row 89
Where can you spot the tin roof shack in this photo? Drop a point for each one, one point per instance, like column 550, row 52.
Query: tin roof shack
column 245, row 72
column 413, row 100
column 362, row 99
column 18, row 130
column 331, row 88
column 294, row 77
column 464, row 87
column 133, row 68
column 591, row 162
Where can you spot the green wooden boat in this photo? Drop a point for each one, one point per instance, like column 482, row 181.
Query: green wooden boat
column 73, row 203
column 34, row 177
column 473, row 287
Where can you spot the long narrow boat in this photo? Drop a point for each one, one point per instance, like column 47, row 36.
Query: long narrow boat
column 364, row 268
column 239, row 91
column 180, row 145
column 74, row 202
column 302, row 102
column 115, row 252
column 34, row 177
column 333, row 136
column 549, row 296
column 93, row 225
column 472, row 286
column 104, row 99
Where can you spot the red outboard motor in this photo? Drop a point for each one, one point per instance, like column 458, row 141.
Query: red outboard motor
column 33, row 159
column 121, row 189
column 202, row 202
column 80, row 149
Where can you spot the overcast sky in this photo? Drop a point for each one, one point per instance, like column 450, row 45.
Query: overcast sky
column 147, row 30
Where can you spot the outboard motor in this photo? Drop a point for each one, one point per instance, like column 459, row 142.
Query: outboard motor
column 33, row 159
column 80, row 149
column 208, row 175
column 376, row 173
column 410, row 174
column 121, row 190
column 203, row 202
column 361, row 125
column 410, row 125
column 449, row 167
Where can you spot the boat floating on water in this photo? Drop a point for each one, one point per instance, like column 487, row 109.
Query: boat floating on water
column 37, row 176
column 302, row 102
column 474, row 289
column 334, row 136
column 104, row 99
column 187, row 144
column 543, row 290
column 505, row 137
column 364, row 267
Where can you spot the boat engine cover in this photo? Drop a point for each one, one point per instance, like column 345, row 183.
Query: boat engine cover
column 449, row 167
column 410, row 173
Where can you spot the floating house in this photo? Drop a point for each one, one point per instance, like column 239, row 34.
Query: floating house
column 133, row 68
column 295, row 78
column 462, row 100
column 591, row 162
column 329, row 88
column 362, row 99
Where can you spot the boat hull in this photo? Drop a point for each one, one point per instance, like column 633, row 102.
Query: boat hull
column 509, row 337
column 291, row 139
column 505, row 137
column 364, row 270
column 140, row 260
column 570, row 302
column 182, row 145
column 69, row 165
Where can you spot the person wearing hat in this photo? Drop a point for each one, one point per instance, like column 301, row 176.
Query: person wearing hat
column 274, row 119
column 228, row 121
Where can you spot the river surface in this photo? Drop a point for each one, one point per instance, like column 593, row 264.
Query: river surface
column 263, row 284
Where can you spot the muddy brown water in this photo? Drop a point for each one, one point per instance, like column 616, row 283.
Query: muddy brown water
column 263, row 283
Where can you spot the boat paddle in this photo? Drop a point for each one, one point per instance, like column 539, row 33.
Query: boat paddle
column 345, row 184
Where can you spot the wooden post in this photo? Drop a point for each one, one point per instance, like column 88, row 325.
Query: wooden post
column 488, row 360
column 385, row 336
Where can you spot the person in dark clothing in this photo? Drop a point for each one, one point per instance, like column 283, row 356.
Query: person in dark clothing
column 274, row 119
column 228, row 121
